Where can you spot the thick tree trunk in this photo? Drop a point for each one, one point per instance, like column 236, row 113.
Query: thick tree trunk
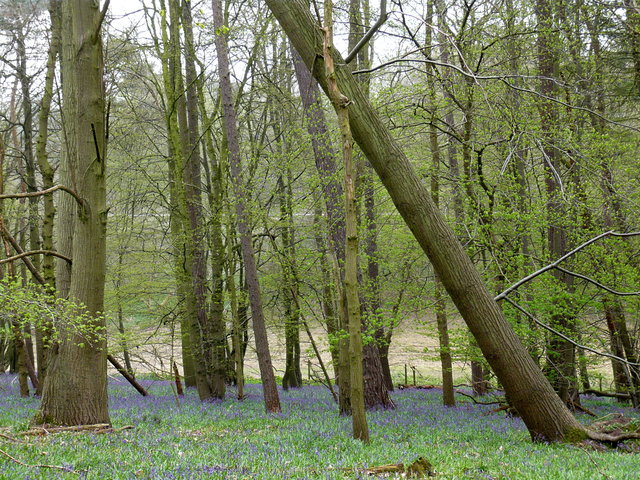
column 208, row 328
column 216, row 246
column 546, row 417
column 271, row 398
column 186, row 165
column 75, row 390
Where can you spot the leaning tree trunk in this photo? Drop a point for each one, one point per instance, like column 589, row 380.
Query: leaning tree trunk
column 271, row 398
column 75, row 390
column 546, row 417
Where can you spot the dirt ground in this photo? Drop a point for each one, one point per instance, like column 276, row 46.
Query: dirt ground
column 414, row 345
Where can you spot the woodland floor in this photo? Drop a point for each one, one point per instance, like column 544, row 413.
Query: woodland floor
column 182, row 438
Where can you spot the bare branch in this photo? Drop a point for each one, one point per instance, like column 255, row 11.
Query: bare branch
column 596, row 283
column 71, row 192
column 546, row 268
column 26, row 260
column 502, row 78
column 563, row 336
column 35, row 252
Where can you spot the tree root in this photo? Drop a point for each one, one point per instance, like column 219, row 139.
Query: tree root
column 612, row 431
column 609, row 438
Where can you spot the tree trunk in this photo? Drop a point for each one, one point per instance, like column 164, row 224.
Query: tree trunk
column 448, row 397
column 208, row 328
column 213, row 169
column 546, row 417
column 75, row 390
column 560, row 353
column 292, row 377
column 237, row 334
column 272, row 401
column 327, row 168
column 352, row 297
column 633, row 25
column 47, row 172
column 620, row 380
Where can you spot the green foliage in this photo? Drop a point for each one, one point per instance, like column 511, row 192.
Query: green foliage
column 25, row 306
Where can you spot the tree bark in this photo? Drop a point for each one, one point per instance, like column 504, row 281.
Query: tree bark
column 46, row 169
column 546, row 417
column 75, row 390
column 352, row 298
column 327, row 168
column 271, row 398
column 448, row 398
column 560, row 353
column 207, row 327
column 292, row 377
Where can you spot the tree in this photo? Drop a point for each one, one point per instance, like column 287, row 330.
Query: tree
column 75, row 389
column 543, row 412
column 351, row 297
column 271, row 398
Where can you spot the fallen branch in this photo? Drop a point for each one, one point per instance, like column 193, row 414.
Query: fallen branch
column 55, row 467
column 508, row 409
column 10, row 438
column 477, row 402
column 45, row 430
column 419, row 387
column 421, row 468
column 598, row 393
column 580, row 408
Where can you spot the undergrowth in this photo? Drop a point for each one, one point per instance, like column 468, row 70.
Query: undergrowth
column 186, row 439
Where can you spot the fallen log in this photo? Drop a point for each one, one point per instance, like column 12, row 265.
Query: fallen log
column 97, row 428
column 598, row 393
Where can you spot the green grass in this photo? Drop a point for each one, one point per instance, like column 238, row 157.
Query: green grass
column 237, row 440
